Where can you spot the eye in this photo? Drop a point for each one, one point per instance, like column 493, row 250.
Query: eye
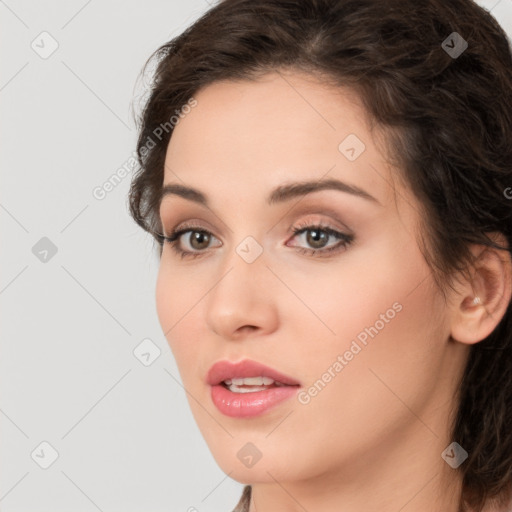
column 318, row 236
column 199, row 241
column 318, row 239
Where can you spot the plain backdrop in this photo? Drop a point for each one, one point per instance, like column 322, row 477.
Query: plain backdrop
column 91, row 419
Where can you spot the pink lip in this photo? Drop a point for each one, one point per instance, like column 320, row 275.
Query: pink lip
column 223, row 370
column 245, row 405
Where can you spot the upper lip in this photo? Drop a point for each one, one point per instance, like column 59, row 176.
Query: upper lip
column 223, row 370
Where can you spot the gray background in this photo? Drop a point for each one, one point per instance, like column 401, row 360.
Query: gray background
column 125, row 437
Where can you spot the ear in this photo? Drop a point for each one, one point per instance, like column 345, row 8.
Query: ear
column 473, row 321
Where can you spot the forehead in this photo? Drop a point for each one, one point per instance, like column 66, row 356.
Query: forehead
column 253, row 136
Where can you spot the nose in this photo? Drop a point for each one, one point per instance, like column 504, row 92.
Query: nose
column 244, row 300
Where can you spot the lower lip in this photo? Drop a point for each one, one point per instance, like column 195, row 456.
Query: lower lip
column 247, row 405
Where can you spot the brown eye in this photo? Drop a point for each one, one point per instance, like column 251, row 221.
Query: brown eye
column 317, row 238
column 199, row 240
column 195, row 243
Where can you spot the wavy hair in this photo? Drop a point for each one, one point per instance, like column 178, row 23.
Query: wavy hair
column 448, row 125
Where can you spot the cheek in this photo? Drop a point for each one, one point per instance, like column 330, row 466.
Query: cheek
column 381, row 312
column 175, row 298
column 368, row 396
column 165, row 296
column 388, row 347
column 177, row 292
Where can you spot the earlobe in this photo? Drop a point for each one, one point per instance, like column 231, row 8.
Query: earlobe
column 482, row 303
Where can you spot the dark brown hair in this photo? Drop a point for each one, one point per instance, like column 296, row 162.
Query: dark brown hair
column 448, row 125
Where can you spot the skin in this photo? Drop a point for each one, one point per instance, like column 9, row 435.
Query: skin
column 372, row 438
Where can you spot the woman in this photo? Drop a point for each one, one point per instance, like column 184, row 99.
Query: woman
column 329, row 182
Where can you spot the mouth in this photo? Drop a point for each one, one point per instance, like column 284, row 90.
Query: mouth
column 248, row 388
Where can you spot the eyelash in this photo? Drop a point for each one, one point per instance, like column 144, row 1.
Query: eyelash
column 345, row 240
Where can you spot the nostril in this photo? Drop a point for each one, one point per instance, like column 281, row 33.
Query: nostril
column 248, row 328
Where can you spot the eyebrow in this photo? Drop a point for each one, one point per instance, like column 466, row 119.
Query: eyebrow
column 280, row 194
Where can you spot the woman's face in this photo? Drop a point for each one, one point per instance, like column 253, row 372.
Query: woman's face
column 360, row 326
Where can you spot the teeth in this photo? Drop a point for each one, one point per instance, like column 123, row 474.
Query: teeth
column 250, row 384
column 251, row 381
column 235, row 389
